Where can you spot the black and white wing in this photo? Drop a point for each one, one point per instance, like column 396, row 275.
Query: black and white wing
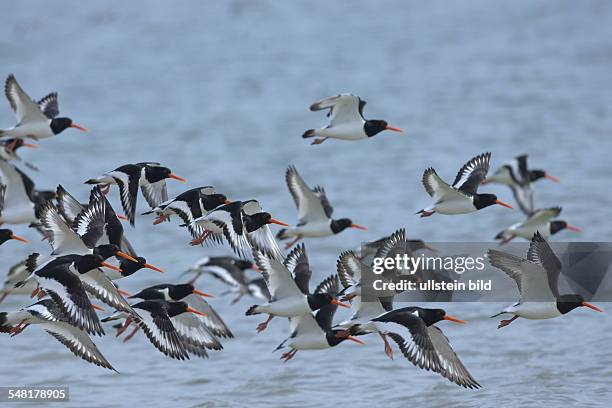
column 67, row 291
column 77, row 341
column 278, row 278
column 100, row 286
column 49, row 105
column 212, row 320
column 523, row 195
column 155, row 193
column 194, row 334
column 345, row 108
column 472, row 174
column 437, row 188
column 297, row 263
column 263, row 239
column 63, row 239
column 229, row 219
column 540, row 253
column 349, row 269
column 542, row 216
column 128, row 190
column 309, row 203
column 68, row 206
column 160, row 331
column 26, row 110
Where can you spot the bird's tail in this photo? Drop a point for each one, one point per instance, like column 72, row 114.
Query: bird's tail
column 280, row 346
column 252, row 310
column 92, row 181
column 498, row 314
column 500, row 235
column 309, row 133
column 282, row 234
column 4, row 328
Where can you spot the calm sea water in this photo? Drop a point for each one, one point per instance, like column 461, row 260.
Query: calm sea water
column 219, row 91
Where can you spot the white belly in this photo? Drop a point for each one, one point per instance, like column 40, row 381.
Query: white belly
column 289, row 307
column 455, row 206
column 309, row 341
column 349, row 131
column 535, row 310
column 40, row 130
column 314, row 229
column 527, row 231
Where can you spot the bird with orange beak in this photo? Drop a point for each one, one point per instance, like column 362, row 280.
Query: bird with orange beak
column 346, row 121
column 150, row 176
column 36, row 120
column 314, row 212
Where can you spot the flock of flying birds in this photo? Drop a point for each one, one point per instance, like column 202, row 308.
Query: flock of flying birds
column 90, row 253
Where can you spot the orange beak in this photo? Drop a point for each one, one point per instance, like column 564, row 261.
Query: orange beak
column 338, row 303
column 126, row 256
column 30, row 145
column 590, row 306
column 275, row 221
column 454, row 319
column 98, row 308
column 359, row 227
column 122, row 217
column 503, row 204
column 255, row 268
column 551, row 178
column 394, row 129
column 109, row 266
column 81, row 128
column 355, row 339
column 155, row 268
column 191, row 310
column 573, row 228
column 179, row 178
column 203, row 294
column 18, row 238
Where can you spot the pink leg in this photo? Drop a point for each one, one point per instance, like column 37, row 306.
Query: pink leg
column 504, row 323
column 318, row 141
column 427, row 214
column 123, row 328
column 388, row 349
column 288, row 355
column 289, row 245
column 505, row 241
column 129, row 336
column 262, row 326
column 200, row 240
column 161, row 219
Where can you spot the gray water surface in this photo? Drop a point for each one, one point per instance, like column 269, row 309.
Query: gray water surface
column 219, row 92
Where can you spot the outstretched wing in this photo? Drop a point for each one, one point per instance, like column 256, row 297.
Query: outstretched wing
column 345, row 108
column 472, row 174
column 49, row 105
column 309, row 204
column 24, row 107
column 435, row 186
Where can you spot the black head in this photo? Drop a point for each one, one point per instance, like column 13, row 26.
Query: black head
column 431, row 316
column 567, row 303
column 88, row 262
column 178, row 292
column 318, row 300
column 157, row 173
column 58, row 125
column 556, row 226
column 212, row 201
column 536, row 175
column 106, row 250
column 256, row 221
column 340, row 225
column 5, row 235
column 374, row 127
column 129, row 267
column 176, row 308
column 484, row 200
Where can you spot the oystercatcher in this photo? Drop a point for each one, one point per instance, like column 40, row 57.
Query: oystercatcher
column 256, row 222
column 287, row 295
column 537, row 280
column 420, row 341
column 36, row 120
column 193, row 297
column 7, row 234
column 462, row 197
column 150, row 176
column 314, row 212
column 517, row 175
column 188, row 206
column 346, row 121
column 47, row 315
column 538, row 221
column 225, row 220
column 310, row 332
